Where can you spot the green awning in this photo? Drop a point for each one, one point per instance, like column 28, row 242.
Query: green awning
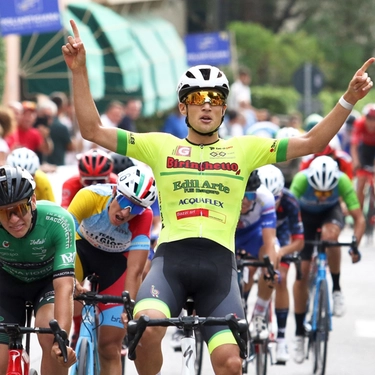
column 127, row 57
column 42, row 66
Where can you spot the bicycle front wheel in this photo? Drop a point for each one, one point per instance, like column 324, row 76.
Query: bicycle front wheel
column 261, row 353
column 82, row 358
column 320, row 337
column 199, row 345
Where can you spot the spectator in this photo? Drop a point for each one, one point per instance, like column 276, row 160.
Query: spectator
column 36, row 139
column 240, row 92
column 59, row 133
column 132, row 112
column 175, row 124
column 7, row 126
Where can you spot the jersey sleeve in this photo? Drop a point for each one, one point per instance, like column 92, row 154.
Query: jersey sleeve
column 81, row 207
column 64, row 243
column 348, row 193
column 43, row 189
column 299, row 184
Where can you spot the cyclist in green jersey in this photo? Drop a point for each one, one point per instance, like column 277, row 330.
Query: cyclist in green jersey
column 201, row 182
column 37, row 251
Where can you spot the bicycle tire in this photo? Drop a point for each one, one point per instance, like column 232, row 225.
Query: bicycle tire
column 320, row 337
column 261, row 353
column 199, row 345
column 32, row 371
column 82, row 355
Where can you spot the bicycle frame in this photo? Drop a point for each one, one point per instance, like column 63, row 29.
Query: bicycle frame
column 88, row 336
column 320, row 276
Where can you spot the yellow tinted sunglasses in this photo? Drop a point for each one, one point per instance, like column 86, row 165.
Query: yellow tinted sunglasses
column 214, row 98
column 323, row 194
column 19, row 210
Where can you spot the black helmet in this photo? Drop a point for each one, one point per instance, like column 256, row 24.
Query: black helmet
column 253, row 182
column 16, row 184
column 121, row 162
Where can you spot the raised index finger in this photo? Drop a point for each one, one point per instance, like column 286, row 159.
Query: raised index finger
column 75, row 29
column 366, row 65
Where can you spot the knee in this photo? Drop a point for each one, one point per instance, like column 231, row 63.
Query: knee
column 109, row 351
column 233, row 365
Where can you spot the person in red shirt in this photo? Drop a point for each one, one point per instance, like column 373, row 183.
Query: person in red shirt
column 363, row 149
column 95, row 167
column 26, row 135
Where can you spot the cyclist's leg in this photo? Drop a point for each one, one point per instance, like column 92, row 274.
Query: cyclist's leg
column 154, row 299
column 281, row 312
column 44, row 312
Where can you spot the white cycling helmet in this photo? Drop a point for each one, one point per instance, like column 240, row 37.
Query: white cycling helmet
column 323, row 173
column 272, row 178
column 25, row 158
column 287, row 132
column 138, row 183
column 202, row 77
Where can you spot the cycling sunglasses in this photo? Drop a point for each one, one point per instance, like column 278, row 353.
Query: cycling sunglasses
column 124, row 202
column 322, row 194
column 20, row 210
column 87, row 181
column 250, row 195
column 214, row 98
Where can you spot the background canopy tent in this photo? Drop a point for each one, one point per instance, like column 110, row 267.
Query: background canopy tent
column 141, row 57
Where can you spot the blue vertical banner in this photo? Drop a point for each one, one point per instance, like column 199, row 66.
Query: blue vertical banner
column 208, row 48
column 25, row 17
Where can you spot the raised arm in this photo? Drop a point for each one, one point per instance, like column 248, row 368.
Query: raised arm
column 87, row 114
column 320, row 135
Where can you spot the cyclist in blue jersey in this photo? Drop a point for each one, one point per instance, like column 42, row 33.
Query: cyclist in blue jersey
column 201, row 182
column 256, row 234
column 319, row 190
column 289, row 232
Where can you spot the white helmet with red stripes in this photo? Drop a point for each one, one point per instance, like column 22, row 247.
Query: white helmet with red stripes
column 138, row 183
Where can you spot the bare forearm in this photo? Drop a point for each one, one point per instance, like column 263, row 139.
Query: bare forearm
column 87, row 115
column 64, row 302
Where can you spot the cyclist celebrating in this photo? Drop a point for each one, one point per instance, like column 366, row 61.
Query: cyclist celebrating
column 319, row 190
column 201, row 182
column 113, row 241
column 28, row 159
column 95, row 167
column 289, row 232
column 37, row 252
column 256, row 234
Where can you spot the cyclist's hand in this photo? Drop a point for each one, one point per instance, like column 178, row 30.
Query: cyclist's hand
column 356, row 255
column 74, row 51
column 79, row 289
column 124, row 319
column 56, row 353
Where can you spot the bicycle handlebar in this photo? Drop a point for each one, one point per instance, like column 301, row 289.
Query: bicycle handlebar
column 137, row 327
column 92, row 298
column 322, row 244
column 14, row 330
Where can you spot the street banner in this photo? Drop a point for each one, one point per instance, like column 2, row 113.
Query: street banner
column 25, row 17
column 208, row 48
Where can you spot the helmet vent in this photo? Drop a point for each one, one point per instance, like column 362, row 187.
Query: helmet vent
column 206, row 74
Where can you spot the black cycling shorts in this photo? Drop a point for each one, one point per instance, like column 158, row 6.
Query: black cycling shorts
column 14, row 294
column 313, row 221
column 194, row 267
